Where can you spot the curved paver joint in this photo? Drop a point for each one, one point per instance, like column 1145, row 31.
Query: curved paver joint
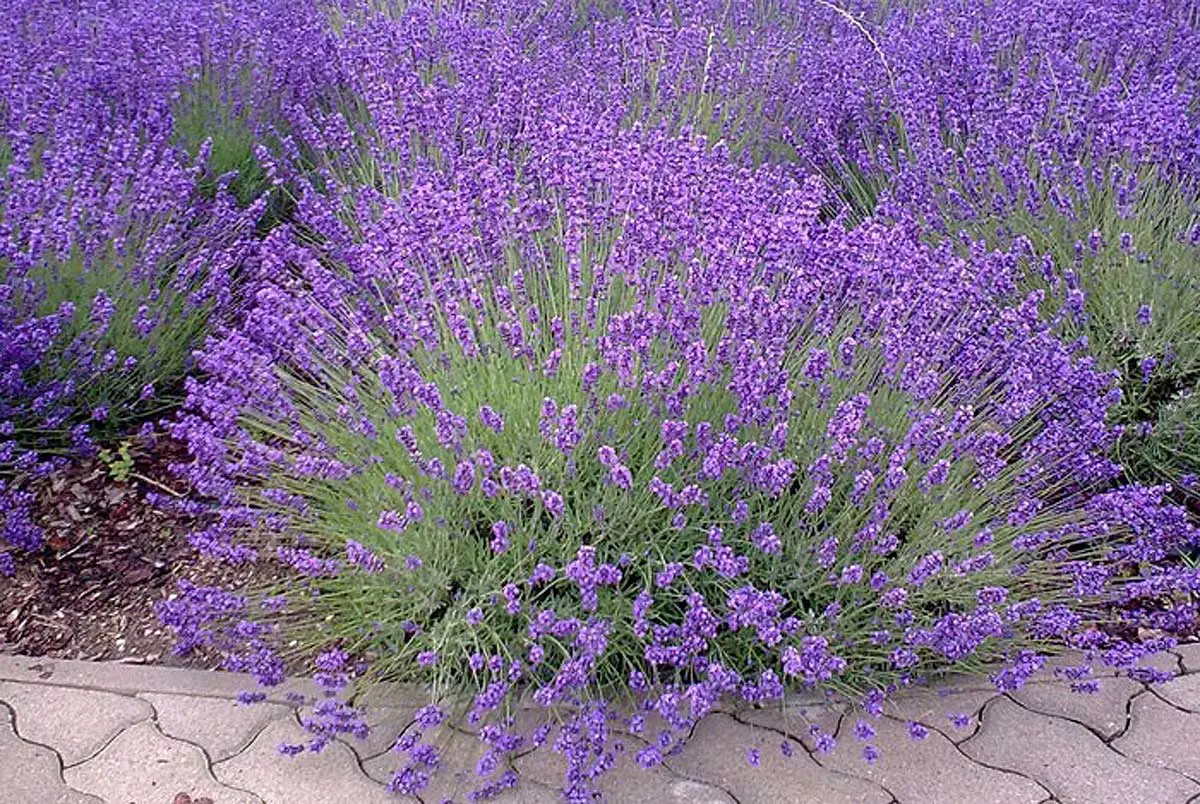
column 794, row 722
column 30, row 773
column 387, row 724
column 221, row 727
column 929, row 771
column 1182, row 691
column 332, row 776
column 1189, row 656
column 719, row 753
column 626, row 783
column 1162, row 735
column 1103, row 711
column 144, row 765
column 76, row 723
column 1067, row 759
column 940, row 709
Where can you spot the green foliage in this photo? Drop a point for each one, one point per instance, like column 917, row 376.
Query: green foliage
column 209, row 110
column 129, row 373
column 1132, row 254
column 120, row 463
column 1170, row 451
column 214, row 113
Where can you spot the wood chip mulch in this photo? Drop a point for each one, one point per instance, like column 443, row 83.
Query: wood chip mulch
column 109, row 557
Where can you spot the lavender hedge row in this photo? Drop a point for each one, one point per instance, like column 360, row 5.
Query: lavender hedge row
column 124, row 128
column 615, row 360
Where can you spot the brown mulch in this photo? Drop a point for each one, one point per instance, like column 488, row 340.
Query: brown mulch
column 109, row 557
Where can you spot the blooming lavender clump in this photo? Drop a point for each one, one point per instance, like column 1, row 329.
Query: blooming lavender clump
column 549, row 390
column 513, row 588
column 114, row 258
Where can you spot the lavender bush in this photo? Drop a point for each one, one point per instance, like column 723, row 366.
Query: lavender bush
column 119, row 239
column 606, row 418
column 615, row 360
column 1126, row 275
column 112, row 266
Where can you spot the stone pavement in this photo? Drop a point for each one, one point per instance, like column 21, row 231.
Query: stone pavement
column 103, row 732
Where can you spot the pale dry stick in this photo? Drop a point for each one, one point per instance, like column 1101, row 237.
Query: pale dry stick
column 857, row 23
column 712, row 35
column 156, row 484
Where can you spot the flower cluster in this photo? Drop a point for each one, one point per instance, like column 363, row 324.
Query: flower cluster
column 561, row 406
column 119, row 244
column 617, row 360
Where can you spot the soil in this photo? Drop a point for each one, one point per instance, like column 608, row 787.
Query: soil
column 110, row 555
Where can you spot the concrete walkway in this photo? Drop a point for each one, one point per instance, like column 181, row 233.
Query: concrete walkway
column 123, row 734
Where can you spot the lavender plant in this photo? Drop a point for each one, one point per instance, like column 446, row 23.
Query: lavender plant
column 636, row 427
column 1125, row 274
column 566, row 383
column 117, row 246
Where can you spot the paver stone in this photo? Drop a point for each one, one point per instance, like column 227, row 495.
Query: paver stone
column 1189, row 656
column 1183, row 691
column 1068, row 760
column 131, row 679
column 32, row 773
column 938, row 708
column 386, row 724
column 221, row 727
column 719, row 752
column 1162, row 736
column 795, row 722
column 142, row 765
column 331, row 776
column 627, row 782
column 74, row 722
column 1103, row 711
column 929, row 771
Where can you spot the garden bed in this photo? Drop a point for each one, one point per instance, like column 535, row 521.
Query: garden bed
column 110, row 555
column 735, row 350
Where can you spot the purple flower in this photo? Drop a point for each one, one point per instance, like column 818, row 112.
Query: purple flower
column 813, row 663
column 817, row 365
column 649, row 757
column 362, row 557
column 429, row 716
column 763, row 537
column 554, row 504
column 500, row 532
column 491, row 419
column 823, row 740
column 1147, row 366
column 464, row 478
column 393, row 521
column 621, row 477
column 851, row 575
